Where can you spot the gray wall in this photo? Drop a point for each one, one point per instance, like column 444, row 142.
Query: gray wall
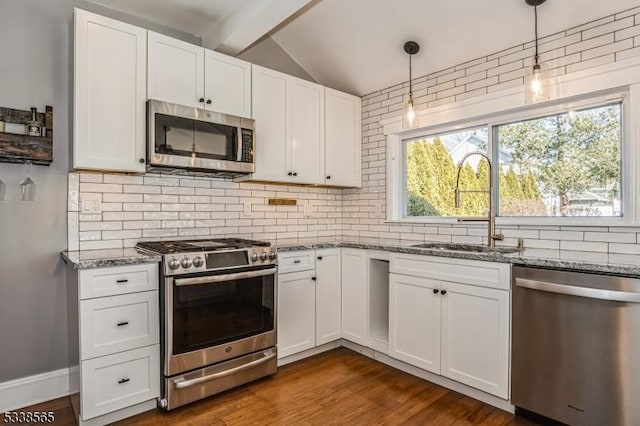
column 267, row 53
column 35, row 71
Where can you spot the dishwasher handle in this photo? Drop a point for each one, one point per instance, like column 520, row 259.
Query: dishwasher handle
column 592, row 293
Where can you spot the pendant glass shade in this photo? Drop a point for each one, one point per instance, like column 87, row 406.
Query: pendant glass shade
column 409, row 114
column 537, row 84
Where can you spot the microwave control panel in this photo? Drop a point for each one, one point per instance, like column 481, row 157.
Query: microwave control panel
column 247, row 146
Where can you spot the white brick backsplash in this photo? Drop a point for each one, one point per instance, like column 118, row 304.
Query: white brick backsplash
column 158, row 206
column 100, row 187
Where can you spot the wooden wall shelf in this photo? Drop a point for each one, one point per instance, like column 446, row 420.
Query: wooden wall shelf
column 16, row 148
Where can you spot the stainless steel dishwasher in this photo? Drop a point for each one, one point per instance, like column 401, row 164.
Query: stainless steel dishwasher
column 576, row 346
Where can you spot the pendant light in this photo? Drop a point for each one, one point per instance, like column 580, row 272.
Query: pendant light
column 409, row 112
column 536, row 82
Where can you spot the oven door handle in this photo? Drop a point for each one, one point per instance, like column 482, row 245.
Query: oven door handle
column 180, row 383
column 226, row 277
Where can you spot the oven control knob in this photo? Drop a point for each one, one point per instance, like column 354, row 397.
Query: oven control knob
column 174, row 264
column 186, row 262
column 198, row 262
column 263, row 256
column 272, row 255
column 254, row 257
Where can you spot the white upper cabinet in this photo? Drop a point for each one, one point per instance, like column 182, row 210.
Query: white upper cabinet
column 343, row 127
column 176, row 71
column 272, row 130
column 110, row 76
column 306, row 102
column 191, row 75
column 289, row 114
column 227, row 84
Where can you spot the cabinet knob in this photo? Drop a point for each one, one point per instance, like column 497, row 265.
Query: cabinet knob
column 436, row 291
column 141, row 161
column 208, row 101
column 313, row 278
column 444, row 292
column 290, row 173
column 295, row 173
column 201, row 100
column 319, row 257
column 328, row 177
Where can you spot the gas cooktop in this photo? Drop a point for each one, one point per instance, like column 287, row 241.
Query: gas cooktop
column 182, row 246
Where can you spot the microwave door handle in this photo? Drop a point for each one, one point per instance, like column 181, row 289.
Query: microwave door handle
column 212, row 279
column 239, row 144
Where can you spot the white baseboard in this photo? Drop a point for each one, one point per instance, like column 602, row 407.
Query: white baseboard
column 31, row 390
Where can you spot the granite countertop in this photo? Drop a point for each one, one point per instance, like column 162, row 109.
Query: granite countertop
column 549, row 259
column 87, row 259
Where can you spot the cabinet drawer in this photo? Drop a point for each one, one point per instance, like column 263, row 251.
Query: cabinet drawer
column 117, row 280
column 117, row 381
column 296, row 261
column 475, row 272
column 118, row 323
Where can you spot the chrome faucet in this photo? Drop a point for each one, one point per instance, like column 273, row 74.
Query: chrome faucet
column 492, row 237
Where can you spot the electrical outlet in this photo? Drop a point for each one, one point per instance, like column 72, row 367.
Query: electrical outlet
column 91, row 203
column 246, row 209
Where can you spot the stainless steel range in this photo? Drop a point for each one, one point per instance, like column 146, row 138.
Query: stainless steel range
column 218, row 315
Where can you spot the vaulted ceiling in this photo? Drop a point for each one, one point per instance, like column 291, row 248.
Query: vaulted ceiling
column 356, row 45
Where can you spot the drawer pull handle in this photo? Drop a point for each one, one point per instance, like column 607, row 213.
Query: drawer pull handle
column 296, row 261
column 122, row 281
column 121, row 323
column 121, row 381
column 313, row 278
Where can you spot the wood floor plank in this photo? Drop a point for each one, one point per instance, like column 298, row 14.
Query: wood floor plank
column 340, row 387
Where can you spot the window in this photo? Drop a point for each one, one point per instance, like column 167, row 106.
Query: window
column 566, row 164
column 556, row 162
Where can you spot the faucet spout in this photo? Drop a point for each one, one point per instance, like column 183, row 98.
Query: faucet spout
column 492, row 237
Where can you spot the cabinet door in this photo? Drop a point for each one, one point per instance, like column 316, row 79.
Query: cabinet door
column 176, row 71
column 343, row 142
column 328, row 297
column 355, row 296
column 475, row 337
column 414, row 321
column 110, row 65
column 227, row 84
column 296, row 313
column 306, row 103
column 270, row 112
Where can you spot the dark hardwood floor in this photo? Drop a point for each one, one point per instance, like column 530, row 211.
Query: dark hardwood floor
column 339, row 387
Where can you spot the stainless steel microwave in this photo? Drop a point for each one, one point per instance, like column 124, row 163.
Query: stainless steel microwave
column 192, row 139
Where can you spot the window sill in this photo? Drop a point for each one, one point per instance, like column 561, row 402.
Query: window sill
column 523, row 221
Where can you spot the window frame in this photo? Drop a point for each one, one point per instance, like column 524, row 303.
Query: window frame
column 627, row 95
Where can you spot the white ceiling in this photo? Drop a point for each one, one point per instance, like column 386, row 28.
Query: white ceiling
column 191, row 16
column 356, row 45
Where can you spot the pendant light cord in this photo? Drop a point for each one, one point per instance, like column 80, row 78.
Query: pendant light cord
column 535, row 12
column 410, row 87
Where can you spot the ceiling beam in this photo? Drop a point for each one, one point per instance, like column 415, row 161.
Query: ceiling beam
column 249, row 23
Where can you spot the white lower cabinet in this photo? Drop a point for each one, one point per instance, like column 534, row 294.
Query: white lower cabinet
column 117, row 381
column 114, row 329
column 414, row 321
column 454, row 329
column 355, row 296
column 475, row 337
column 296, row 312
column 328, row 296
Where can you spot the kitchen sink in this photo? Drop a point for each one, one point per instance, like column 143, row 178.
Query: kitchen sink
column 465, row 248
